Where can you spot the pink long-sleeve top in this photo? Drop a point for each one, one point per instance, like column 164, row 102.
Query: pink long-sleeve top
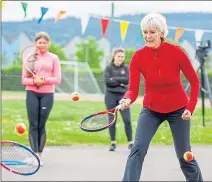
column 50, row 69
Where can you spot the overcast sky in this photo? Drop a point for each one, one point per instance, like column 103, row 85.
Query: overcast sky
column 13, row 9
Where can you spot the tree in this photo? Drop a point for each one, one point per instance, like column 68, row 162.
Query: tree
column 128, row 54
column 208, row 61
column 4, row 58
column 57, row 49
column 17, row 60
column 88, row 51
column 174, row 42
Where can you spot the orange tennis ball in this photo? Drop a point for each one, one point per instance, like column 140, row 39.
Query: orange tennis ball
column 75, row 96
column 20, row 128
column 188, row 156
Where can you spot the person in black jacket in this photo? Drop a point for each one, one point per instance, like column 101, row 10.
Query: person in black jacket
column 116, row 77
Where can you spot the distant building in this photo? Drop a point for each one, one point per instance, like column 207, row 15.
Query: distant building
column 7, row 55
column 106, row 46
column 70, row 47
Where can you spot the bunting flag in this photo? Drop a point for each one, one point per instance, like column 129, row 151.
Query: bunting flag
column 123, row 28
column 3, row 4
column 178, row 33
column 24, row 6
column 43, row 12
column 59, row 15
column 198, row 35
column 84, row 22
column 104, row 24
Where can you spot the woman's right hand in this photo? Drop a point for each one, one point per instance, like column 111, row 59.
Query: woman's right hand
column 38, row 80
column 125, row 103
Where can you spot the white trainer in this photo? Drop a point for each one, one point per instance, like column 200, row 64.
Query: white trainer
column 41, row 161
column 31, row 161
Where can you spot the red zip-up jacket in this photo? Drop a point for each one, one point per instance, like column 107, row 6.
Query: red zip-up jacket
column 160, row 69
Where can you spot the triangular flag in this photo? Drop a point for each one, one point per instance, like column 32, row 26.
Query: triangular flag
column 59, row 15
column 84, row 22
column 24, row 6
column 198, row 35
column 104, row 24
column 43, row 12
column 3, row 4
column 123, row 28
column 178, row 34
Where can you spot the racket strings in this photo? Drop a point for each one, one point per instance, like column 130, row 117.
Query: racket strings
column 98, row 121
column 31, row 62
column 19, row 159
column 29, row 55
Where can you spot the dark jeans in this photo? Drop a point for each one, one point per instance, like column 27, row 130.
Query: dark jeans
column 148, row 123
column 38, row 110
column 112, row 100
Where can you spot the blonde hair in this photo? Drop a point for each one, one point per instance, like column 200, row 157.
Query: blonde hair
column 115, row 51
column 157, row 20
column 40, row 35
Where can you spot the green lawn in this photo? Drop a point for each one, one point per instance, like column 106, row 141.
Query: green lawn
column 63, row 124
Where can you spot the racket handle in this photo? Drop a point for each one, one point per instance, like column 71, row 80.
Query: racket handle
column 30, row 71
column 119, row 106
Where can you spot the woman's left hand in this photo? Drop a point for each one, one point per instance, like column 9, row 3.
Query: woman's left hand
column 39, row 80
column 186, row 115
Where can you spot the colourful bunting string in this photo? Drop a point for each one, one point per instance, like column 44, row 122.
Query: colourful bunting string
column 104, row 24
column 105, row 21
column 59, row 15
column 43, row 12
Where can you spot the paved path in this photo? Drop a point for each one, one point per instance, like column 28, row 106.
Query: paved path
column 96, row 163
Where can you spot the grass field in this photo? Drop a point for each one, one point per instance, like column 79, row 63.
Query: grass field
column 63, row 124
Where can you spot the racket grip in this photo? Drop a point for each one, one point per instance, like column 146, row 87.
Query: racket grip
column 118, row 107
column 35, row 84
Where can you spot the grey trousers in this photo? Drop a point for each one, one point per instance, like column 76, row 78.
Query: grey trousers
column 148, row 123
column 112, row 100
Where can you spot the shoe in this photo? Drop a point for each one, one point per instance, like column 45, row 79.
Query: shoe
column 130, row 146
column 31, row 161
column 112, row 147
column 41, row 161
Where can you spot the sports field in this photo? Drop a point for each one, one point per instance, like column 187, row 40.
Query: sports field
column 72, row 152
column 63, row 124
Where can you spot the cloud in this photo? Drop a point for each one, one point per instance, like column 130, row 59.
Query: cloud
column 13, row 10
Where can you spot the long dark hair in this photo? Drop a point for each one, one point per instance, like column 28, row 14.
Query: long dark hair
column 115, row 51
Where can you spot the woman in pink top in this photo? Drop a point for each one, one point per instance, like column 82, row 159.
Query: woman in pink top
column 40, row 91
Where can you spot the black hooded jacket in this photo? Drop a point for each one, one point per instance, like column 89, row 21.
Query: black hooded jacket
column 116, row 78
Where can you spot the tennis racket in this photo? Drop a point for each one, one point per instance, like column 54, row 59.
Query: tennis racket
column 29, row 56
column 100, row 121
column 18, row 158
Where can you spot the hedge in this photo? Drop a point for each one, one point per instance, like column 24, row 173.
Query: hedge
column 11, row 79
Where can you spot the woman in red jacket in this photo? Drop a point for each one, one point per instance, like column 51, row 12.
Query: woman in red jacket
column 160, row 63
